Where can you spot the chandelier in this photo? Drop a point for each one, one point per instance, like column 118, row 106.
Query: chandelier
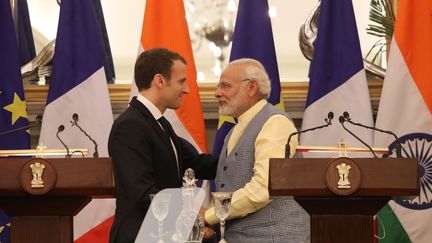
column 211, row 22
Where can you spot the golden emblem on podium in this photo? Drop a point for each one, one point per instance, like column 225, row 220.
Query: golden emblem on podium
column 343, row 171
column 38, row 176
column 343, row 176
column 37, row 171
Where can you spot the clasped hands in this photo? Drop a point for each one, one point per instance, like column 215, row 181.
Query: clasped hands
column 208, row 230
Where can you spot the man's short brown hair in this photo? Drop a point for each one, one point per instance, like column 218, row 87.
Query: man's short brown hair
column 152, row 62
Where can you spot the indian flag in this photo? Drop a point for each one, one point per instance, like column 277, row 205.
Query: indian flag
column 406, row 109
column 165, row 26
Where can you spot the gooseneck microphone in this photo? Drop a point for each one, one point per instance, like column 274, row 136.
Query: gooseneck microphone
column 60, row 129
column 342, row 120
column 75, row 123
column 328, row 122
column 37, row 122
column 398, row 145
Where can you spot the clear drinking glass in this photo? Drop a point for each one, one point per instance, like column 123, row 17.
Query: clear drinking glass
column 159, row 207
column 222, row 202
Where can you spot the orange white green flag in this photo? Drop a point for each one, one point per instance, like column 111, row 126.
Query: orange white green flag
column 406, row 109
column 165, row 26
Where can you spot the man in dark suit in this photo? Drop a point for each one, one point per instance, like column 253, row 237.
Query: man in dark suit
column 147, row 155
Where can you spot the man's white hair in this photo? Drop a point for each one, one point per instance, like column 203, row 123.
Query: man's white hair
column 254, row 70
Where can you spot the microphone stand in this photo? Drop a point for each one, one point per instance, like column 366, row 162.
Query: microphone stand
column 37, row 122
column 342, row 120
column 398, row 145
column 75, row 123
column 61, row 129
column 288, row 147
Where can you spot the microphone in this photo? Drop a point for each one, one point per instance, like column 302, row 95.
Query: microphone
column 398, row 145
column 75, row 123
column 38, row 121
column 342, row 120
column 328, row 122
column 60, row 129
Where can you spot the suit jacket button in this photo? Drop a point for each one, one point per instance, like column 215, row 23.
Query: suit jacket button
column 225, row 168
column 222, row 185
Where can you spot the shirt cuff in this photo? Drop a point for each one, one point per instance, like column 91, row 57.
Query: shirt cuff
column 210, row 216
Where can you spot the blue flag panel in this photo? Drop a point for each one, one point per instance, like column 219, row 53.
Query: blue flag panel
column 337, row 54
column 253, row 38
column 13, row 111
column 77, row 56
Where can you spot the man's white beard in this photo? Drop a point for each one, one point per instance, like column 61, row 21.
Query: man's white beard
column 231, row 108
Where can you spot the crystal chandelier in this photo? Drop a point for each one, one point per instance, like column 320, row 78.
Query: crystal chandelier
column 211, row 22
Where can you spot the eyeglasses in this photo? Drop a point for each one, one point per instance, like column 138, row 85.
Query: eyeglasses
column 226, row 85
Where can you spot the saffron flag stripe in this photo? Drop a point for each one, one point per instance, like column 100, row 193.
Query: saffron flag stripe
column 413, row 36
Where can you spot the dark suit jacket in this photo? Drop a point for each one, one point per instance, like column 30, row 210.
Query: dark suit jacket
column 144, row 163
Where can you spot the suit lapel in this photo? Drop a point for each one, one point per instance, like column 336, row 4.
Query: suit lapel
column 152, row 121
column 155, row 124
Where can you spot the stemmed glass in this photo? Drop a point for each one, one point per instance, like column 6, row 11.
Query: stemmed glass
column 222, row 202
column 160, row 206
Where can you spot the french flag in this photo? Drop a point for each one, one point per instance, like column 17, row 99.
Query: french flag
column 79, row 86
column 337, row 79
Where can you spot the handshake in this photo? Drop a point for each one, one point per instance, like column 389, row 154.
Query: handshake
column 209, row 231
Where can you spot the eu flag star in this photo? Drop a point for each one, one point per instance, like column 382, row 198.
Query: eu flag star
column 223, row 119
column 17, row 108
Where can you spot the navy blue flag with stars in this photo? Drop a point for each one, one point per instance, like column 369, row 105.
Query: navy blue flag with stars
column 13, row 112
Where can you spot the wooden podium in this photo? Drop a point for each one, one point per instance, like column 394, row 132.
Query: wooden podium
column 45, row 213
column 343, row 214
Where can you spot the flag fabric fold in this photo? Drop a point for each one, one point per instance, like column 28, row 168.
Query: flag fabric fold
column 13, row 109
column 108, row 60
column 79, row 86
column 337, row 79
column 24, row 32
column 13, row 113
column 253, row 38
column 406, row 109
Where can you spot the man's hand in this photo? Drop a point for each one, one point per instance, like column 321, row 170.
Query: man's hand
column 208, row 232
column 202, row 213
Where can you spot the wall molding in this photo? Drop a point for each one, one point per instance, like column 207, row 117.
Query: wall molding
column 293, row 94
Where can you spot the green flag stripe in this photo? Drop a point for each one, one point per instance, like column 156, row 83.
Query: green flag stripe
column 389, row 227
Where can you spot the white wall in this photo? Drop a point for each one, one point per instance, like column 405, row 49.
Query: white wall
column 124, row 22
